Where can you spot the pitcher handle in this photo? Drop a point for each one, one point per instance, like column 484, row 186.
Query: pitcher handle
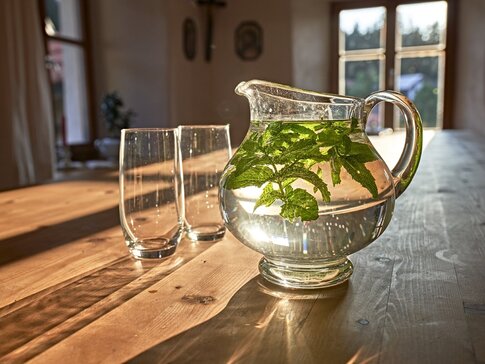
column 407, row 165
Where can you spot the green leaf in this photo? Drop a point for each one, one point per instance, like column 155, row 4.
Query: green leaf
column 251, row 144
column 360, row 173
column 287, row 151
column 345, row 145
column 335, row 166
column 254, row 176
column 354, row 124
column 299, row 203
column 297, row 151
column 299, row 131
column 319, row 172
column 309, row 176
column 268, row 196
column 288, row 182
column 329, row 138
column 249, row 161
column 272, row 130
column 362, row 152
column 278, row 144
column 288, row 189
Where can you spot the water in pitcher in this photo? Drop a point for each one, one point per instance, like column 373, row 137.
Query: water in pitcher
column 338, row 230
column 309, row 165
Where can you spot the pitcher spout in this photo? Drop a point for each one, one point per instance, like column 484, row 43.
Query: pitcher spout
column 242, row 88
column 272, row 101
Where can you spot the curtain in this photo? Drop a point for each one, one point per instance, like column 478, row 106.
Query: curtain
column 26, row 116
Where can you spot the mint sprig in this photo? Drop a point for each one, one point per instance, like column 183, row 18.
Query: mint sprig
column 287, row 151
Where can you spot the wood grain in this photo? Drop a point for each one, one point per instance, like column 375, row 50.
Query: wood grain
column 199, row 290
column 70, row 292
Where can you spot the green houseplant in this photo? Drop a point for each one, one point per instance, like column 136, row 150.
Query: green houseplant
column 115, row 118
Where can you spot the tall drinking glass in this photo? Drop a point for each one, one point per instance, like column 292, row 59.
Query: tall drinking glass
column 151, row 192
column 205, row 151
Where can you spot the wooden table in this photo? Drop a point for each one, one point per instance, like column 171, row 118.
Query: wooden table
column 69, row 292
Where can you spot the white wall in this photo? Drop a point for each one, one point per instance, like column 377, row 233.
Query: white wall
column 203, row 92
column 137, row 50
column 129, row 54
column 470, row 71
column 311, row 44
column 274, row 64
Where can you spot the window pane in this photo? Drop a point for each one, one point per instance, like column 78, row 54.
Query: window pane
column 362, row 77
column 420, row 80
column 421, row 24
column 63, row 18
column 362, row 28
column 66, row 69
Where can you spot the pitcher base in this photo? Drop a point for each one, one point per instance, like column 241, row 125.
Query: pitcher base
column 306, row 276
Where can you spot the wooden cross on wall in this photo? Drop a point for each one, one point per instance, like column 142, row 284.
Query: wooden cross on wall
column 210, row 4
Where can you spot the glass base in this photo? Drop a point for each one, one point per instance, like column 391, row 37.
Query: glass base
column 156, row 248
column 207, row 232
column 306, row 276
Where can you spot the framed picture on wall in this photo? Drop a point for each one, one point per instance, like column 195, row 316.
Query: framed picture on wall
column 249, row 40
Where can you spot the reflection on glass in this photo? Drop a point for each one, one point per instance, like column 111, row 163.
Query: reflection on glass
column 421, row 24
column 66, row 70
column 419, row 79
column 62, row 18
column 362, row 77
column 362, row 28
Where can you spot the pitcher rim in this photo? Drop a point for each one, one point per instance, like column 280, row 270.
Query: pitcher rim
column 246, row 84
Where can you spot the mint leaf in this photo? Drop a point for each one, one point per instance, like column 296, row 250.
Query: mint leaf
column 299, row 203
column 298, row 131
column 360, row 173
column 288, row 151
column 344, row 147
column 297, row 151
column 254, row 176
column 354, row 124
column 273, row 129
column 268, row 196
column 249, row 161
column 335, row 166
column 362, row 152
column 329, row 138
column 309, row 176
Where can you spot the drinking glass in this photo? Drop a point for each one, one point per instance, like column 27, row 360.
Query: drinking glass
column 151, row 192
column 205, row 150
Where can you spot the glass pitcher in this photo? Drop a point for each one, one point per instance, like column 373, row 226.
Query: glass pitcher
column 306, row 188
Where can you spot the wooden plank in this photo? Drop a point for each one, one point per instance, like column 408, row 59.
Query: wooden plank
column 463, row 163
column 32, row 208
column 264, row 323
column 41, row 322
column 191, row 295
column 425, row 318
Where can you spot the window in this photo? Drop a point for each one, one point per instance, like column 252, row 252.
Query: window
column 65, row 39
column 401, row 45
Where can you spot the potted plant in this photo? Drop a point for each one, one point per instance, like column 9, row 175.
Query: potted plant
column 115, row 118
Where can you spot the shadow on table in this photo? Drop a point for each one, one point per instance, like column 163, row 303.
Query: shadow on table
column 272, row 325
column 51, row 236
column 47, row 237
column 43, row 319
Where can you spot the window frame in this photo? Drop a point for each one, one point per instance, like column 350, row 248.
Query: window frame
column 85, row 44
column 391, row 52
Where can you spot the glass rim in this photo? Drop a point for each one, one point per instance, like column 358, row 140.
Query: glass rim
column 147, row 129
column 204, row 126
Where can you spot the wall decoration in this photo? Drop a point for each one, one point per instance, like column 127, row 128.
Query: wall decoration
column 209, row 6
column 249, row 40
column 189, row 38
